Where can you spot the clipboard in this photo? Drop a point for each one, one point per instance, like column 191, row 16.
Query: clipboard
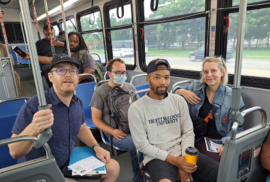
column 79, row 153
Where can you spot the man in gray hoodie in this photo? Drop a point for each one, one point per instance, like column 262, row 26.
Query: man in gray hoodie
column 161, row 129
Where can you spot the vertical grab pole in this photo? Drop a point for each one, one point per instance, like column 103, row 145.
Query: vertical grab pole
column 49, row 27
column 35, row 14
column 24, row 37
column 236, row 90
column 65, row 25
column 47, row 134
column 10, row 60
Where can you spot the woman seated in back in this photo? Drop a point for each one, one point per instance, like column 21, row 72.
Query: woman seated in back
column 209, row 101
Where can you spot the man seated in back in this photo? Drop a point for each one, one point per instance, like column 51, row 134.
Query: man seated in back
column 265, row 156
column 116, row 69
column 65, row 117
column 161, row 129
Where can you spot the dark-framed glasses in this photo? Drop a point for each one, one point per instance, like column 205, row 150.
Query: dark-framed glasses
column 64, row 71
column 119, row 73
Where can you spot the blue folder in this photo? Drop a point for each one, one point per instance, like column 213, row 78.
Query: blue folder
column 79, row 153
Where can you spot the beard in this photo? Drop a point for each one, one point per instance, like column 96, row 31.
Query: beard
column 74, row 49
column 155, row 89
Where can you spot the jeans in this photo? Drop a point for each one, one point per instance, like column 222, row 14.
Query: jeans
column 128, row 145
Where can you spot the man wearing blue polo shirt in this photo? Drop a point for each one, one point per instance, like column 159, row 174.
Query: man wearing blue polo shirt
column 65, row 117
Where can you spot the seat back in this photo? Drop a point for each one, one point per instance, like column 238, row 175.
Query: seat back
column 142, row 87
column 85, row 92
column 240, row 159
column 14, row 56
column 23, row 61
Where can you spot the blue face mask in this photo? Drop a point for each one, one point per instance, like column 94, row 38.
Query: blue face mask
column 119, row 79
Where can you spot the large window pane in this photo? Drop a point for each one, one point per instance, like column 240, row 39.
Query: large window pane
column 88, row 22
column 55, row 27
column 256, row 54
column 237, row 2
column 122, row 45
column 181, row 43
column 168, row 8
column 94, row 42
column 115, row 21
column 70, row 25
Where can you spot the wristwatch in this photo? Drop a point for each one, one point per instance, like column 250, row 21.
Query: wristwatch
column 95, row 146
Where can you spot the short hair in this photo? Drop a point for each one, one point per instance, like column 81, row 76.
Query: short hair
column 109, row 66
column 221, row 65
column 61, row 33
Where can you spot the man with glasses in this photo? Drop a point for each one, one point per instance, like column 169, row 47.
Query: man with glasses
column 116, row 69
column 65, row 117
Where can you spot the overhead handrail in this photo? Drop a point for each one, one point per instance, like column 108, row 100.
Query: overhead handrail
column 137, row 92
column 93, row 15
column 96, row 55
column 236, row 90
column 178, row 83
column 2, row 73
column 136, row 76
column 65, row 25
column 4, row 3
column 47, row 134
column 152, row 5
column 26, row 48
column 100, row 83
column 49, row 27
column 120, row 4
column 35, row 15
column 263, row 124
column 88, row 74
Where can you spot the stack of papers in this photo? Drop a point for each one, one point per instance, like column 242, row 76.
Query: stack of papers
column 212, row 145
column 83, row 161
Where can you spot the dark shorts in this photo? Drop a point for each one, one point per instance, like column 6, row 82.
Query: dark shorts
column 159, row 170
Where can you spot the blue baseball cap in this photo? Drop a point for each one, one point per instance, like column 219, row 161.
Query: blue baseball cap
column 152, row 66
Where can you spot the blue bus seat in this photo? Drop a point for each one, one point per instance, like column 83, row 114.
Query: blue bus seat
column 141, row 87
column 104, row 69
column 85, row 92
column 9, row 108
column 14, row 56
column 23, row 61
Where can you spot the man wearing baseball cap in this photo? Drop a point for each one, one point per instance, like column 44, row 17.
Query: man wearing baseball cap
column 65, row 117
column 161, row 129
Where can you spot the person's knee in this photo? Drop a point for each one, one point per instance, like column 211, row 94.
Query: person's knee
column 113, row 168
column 165, row 180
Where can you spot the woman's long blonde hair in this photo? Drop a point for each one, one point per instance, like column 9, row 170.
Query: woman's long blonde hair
column 221, row 65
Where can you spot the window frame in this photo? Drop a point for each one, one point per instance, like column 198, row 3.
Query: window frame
column 141, row 45
column 67, row 19
column 222, row 40
column 106, row 9
column 79, row 27
column 15, row 41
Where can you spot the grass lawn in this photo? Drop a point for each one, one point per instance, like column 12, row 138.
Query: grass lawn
column 253, row 53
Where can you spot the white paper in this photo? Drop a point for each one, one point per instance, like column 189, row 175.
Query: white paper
column 212, row 145
column 86, row 165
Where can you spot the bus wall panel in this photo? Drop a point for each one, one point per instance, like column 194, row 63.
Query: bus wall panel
column 11, row 15
column 10, row 83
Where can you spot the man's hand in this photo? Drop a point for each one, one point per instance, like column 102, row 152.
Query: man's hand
column 102, row 154
column 220, row 150
column 119, row 134
column 182, row 164
column 183, row 176
column 42, row 120
column 27, row 55
column 58, row 44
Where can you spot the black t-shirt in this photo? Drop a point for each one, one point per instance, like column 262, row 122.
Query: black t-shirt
column 44, row 48
column 211, row 126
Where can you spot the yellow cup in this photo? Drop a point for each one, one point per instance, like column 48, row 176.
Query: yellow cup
column 191, row 155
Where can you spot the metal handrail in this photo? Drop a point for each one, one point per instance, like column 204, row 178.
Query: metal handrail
column 97, row 55
column 26, row 138
column 137, row 92
column 13, row 99
column 178, row 83
column 244, row 113
column 88, row 74
column 105, row 75
column 65, row 26
column 100, row 83
column 136, row 76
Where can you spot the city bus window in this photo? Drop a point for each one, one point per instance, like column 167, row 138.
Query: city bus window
column 126, row 19
column 237, row 2
column 94, row 42
column 169, row 8
column 55, row 27
column 71, row 26
column 256, row 53
column 89, row 23
column 122, row 45
column 182, row 43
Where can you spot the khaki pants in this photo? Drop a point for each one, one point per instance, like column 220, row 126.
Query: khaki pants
column 77, row 180
column 18, row 82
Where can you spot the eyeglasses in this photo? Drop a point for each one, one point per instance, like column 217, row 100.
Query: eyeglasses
column 64, row 71
column 119, row 73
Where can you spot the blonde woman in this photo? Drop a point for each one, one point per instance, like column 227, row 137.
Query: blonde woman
column 209, row 101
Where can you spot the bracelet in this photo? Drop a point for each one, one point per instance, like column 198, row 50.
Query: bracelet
column 95, row 146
